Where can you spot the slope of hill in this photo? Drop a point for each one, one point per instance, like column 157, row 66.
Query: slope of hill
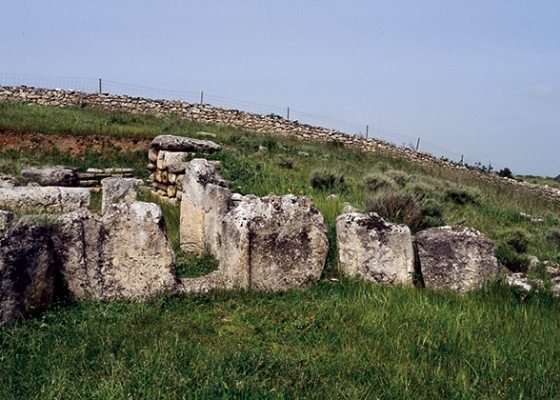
column 340, row 338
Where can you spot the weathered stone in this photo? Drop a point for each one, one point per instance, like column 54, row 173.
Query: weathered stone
column 206, row 134
column 172, row 159
column 152, row 155
column 181, row 143
column 349, row 208
column 151, row 167
column 7, row 181
column 374, row 249
column 125, row 253
column 51, row 176
column 27, row 269
column 205, row 201
column 118, row 190
column 94, row 171
column 273, row 243
column 52, row 199
column 6, row 219
column 456, row 258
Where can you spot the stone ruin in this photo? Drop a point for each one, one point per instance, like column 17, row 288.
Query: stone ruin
column 269, row 243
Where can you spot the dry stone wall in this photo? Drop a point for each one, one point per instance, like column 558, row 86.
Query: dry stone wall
column 259, row 123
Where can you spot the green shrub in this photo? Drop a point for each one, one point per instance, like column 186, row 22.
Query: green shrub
column 508, row 257
column 553, row 236
column 518, row 239
column 464, row 195
column 378, row 181
column 327, row 180
column 398, row 207
column 400, row 177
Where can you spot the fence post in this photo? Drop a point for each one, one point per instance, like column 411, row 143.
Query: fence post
column 288, row 114
column 100, row 91
column 417, row 144
column 367, row 131
column 461, row 159
column 201, row 97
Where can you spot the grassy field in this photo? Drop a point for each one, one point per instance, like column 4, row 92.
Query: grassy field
column 339, row 338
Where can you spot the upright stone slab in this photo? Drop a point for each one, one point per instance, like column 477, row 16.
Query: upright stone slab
column 205, row 201
column 51, row 176
column 27, row 269
column 124, row 254
column 456, row 258
column 374, row 249
column 273, row 243
column 118, row 190
column 50, row 199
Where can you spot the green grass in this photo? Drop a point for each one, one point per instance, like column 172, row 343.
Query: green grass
column 345, row 339
column 339, row 338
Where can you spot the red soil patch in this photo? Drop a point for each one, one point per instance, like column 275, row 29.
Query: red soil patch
column 75, row 144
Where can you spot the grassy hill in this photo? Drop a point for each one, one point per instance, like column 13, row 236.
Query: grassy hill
column 340, row 338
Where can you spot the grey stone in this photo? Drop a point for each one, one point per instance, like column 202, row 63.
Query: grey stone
column 27, row 269
column 180, row 143
column 124, row 254
column 456, row 258
column 51, row 176
column 118, row 190
column 51, row 199
column 374, row 249
column 273, row 243
column 205, row 201
column 6, row 219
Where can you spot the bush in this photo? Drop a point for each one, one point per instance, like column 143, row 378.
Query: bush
column 505, row 173
column 398, row 207
column 378, row 181
column 400, row 177
column 508, row 257
column 518, row 239
column 327, row 180
column 464, row 195
column 553, row 236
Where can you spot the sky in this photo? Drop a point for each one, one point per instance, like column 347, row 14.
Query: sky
column 474, row 78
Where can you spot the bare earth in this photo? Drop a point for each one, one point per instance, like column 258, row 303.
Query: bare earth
column 75, row 144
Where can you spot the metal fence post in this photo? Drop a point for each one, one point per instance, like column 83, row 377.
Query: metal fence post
column 201, row 97
column 100, row 91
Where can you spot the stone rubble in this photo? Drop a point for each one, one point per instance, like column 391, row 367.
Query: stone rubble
column 276, row 125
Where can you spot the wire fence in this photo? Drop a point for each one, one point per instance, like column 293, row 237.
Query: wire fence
column 91, row 85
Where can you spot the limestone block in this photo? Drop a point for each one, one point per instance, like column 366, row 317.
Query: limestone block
column 205, row 200
column 152, row 155
column 51, row 199
column 273, row 243
column 374, row 249
column 456, row 258
column 27, row 269
column 118, row 190
column 51, row 176
column 124, row 254
column 172, row 158
column 181, row 143
column 6, row 219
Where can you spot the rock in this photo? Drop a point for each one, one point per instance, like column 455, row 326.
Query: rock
column 349, row 208
column 94, row 171
column 273, row 243
column 556, row 290
column 533, row 260
column 27, row 269
column 7, row 181
column 206, row 134
column 456, row 258
column 118, row 190
column 174, row 161
column 6, row 219
column 51, row 176
column 201, row 284
column 180, row 143
column 374, row 249
column 205, row 201
column 51, row 199
column 332, row 196
column 124, row 254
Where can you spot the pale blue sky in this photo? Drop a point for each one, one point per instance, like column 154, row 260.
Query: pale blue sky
column 480, row 78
